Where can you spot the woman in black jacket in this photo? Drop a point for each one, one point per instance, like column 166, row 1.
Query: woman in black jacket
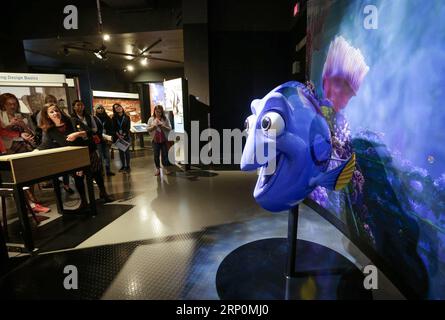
column 79, row 113
column 61, row 131
column 105, row 132
column 121, row 130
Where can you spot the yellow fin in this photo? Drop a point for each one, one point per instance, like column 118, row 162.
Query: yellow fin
column 346, row 175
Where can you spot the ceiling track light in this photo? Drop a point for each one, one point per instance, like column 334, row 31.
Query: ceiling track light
column 101, row 53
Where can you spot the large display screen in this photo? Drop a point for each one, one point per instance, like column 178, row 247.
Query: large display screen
column 379, row 68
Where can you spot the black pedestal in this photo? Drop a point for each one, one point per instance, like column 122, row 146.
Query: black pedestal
column 257, row 271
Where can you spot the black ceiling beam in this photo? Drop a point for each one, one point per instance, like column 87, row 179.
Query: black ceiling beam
column 124, row 54
column 148, row 48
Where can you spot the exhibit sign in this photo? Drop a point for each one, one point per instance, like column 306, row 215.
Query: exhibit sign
column 32, row 79
column 140, row 128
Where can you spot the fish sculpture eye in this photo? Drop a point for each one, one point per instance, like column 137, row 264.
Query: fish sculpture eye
column 266, row 123
column 249, row 123
column 272, row 121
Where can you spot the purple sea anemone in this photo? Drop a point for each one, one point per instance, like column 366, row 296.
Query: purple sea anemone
column 416, row 185
column 320, row 196
column 440, row 182
column 420, row 171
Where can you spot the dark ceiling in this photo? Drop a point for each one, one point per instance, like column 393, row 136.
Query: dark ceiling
column 164, row 50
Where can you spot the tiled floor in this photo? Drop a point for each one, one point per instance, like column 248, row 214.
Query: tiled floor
column 170, row 243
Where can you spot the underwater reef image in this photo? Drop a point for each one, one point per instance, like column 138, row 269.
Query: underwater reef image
column 389, row 209
column 381, row 89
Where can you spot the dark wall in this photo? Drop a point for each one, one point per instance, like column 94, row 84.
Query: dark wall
column 156, row 75
column 250, row 54
column 245, row 66
column 104, row 80
column 12, row 55
column 196, row 60
column 298, row 43
column 196, row 65
column 250, row 15
column 107, row 79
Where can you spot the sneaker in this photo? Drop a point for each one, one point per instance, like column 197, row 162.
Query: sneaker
column 157, row 172
column 107, row 198
column 110, row 174
column 38, row 208
column 48, row 185
column 128, row 169
column 122, row 169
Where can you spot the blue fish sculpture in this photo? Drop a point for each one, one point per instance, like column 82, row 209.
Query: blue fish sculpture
column 288, row 119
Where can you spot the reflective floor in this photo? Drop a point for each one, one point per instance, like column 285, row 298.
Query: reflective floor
column 165, row 238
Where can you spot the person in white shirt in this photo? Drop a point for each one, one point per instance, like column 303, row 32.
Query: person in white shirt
column 159, row 127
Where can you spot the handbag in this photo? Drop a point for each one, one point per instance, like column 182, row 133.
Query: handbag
column 159, row 136
column 96, row 139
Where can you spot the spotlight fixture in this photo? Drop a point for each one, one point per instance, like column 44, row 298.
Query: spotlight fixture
column 144, row 62
column 130, row 67
column 106, row 37
column 101, row 53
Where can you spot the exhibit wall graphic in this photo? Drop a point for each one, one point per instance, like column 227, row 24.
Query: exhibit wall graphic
column 157, row 95
column 378, row 66
column 33, row 98
column 32, row 88
column 173, row 102
column 131, row 106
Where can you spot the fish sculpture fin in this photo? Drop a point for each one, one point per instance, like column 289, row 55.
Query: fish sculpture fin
column 337, row 178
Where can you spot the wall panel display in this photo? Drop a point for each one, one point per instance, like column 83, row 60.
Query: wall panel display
column 173, row 102
column 31, row 89
column 129, row 101
column 380, row 78
column 157, row 95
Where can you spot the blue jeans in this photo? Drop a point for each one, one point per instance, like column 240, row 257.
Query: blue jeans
column 160, row 149
column 104, row 153
column 125, row 158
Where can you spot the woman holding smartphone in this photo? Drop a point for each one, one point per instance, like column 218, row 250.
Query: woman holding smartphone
column 159, row 127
